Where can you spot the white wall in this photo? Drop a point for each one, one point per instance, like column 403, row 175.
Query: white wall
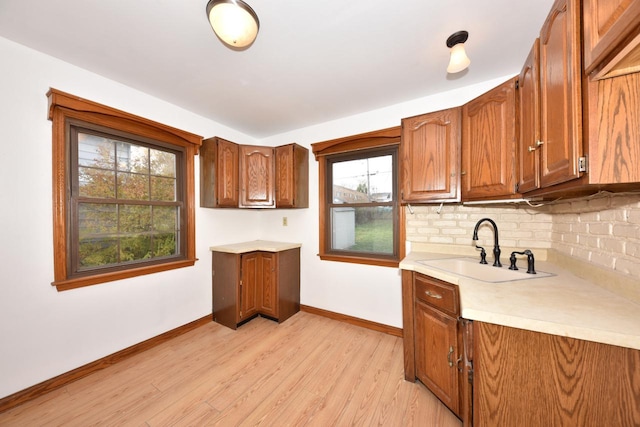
column 367, row 292
column 45, row 333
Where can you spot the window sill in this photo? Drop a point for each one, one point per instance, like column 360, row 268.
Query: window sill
column 361, row 260
column 78, row 282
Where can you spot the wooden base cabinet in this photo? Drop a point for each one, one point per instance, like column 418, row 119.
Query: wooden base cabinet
column 525, row 378
column 433, row 341
column 255, row 283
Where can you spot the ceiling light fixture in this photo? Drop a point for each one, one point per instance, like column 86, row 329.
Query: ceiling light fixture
column 234, row 22
column 459, row 59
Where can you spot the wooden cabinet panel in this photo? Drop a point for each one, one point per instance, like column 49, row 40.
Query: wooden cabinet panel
column 433, row 341
column 611, row 37
column 430, row 157
column 257, row 176
column 249, row 285
column 614, row 130
column 267, row 284
column 219, row 173
column 529, row 122
column 436, row 353
column 489, row 144
column 292, row 176
column 529, row 378
column 225, row 275
column 560, row 94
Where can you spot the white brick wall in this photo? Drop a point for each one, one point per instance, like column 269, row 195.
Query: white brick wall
column 518, row 226
column 603, row 230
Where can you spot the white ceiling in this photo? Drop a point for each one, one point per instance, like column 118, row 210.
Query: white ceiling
column 313, row 61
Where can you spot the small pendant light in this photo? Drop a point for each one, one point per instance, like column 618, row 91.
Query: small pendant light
column 459, row 59
column 234, row 22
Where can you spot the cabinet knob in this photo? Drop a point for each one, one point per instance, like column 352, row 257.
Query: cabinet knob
column 531, row 148
column 539, row 143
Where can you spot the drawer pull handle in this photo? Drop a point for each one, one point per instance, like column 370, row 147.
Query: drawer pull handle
column 432, row 295
column 449, row 356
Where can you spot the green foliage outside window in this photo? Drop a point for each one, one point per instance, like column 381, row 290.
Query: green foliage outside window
column 127, row 204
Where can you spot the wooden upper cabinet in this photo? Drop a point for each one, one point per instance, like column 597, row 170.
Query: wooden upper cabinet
column 219, row 173
column 529, row 122
column 560, row 94
column 430, row 157
column 489, row 144
column 257, row 175
column 614, row 130
column 611, row 37
column 292, row 176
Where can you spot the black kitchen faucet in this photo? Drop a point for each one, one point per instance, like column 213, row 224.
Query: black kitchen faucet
column 496, row 246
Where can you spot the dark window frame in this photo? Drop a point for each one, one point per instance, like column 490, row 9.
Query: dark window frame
column 330, row 203
column 66, row 111
column 359, row 146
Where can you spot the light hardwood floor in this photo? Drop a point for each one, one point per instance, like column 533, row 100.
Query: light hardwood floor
column 307, row 371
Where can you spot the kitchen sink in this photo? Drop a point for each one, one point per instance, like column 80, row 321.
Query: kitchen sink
column 471, row 267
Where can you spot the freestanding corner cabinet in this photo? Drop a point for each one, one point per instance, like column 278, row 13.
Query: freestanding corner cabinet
column 255, row 278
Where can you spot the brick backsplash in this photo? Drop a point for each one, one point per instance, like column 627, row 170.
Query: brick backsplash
column 519, row 226
column 603, row 230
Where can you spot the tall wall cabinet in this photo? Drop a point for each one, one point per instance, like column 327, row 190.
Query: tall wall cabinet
column 550, row 103
column 249, row 176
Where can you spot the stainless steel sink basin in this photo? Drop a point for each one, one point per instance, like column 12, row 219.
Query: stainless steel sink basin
column 471, row 267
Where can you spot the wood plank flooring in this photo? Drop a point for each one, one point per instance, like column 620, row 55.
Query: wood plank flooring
column 307, row 371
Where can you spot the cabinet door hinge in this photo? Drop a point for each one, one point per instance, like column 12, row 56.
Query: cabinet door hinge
column 518, row 84
column 582, row 164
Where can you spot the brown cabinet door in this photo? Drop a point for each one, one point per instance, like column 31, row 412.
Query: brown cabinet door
column 292, row 176
column 268, row 284
column 525, row 378
column 249, row 298
column 227, row 174
column 257, row 176
column 430, row 157
column 529, row 120
column 489, row 144
column 218, row 173
column 560, row 94
column 436, row 353
column 614, row 130
column 611, row 37
column 226, row 276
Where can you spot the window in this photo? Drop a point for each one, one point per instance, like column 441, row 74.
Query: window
column 123, row 194
column 360, row 217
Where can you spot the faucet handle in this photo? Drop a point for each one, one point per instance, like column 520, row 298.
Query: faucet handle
column 483, row 255
column 530, row 261
column 513, row 259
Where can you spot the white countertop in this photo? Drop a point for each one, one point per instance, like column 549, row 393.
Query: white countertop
column 562, row 304
column 255, row 245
